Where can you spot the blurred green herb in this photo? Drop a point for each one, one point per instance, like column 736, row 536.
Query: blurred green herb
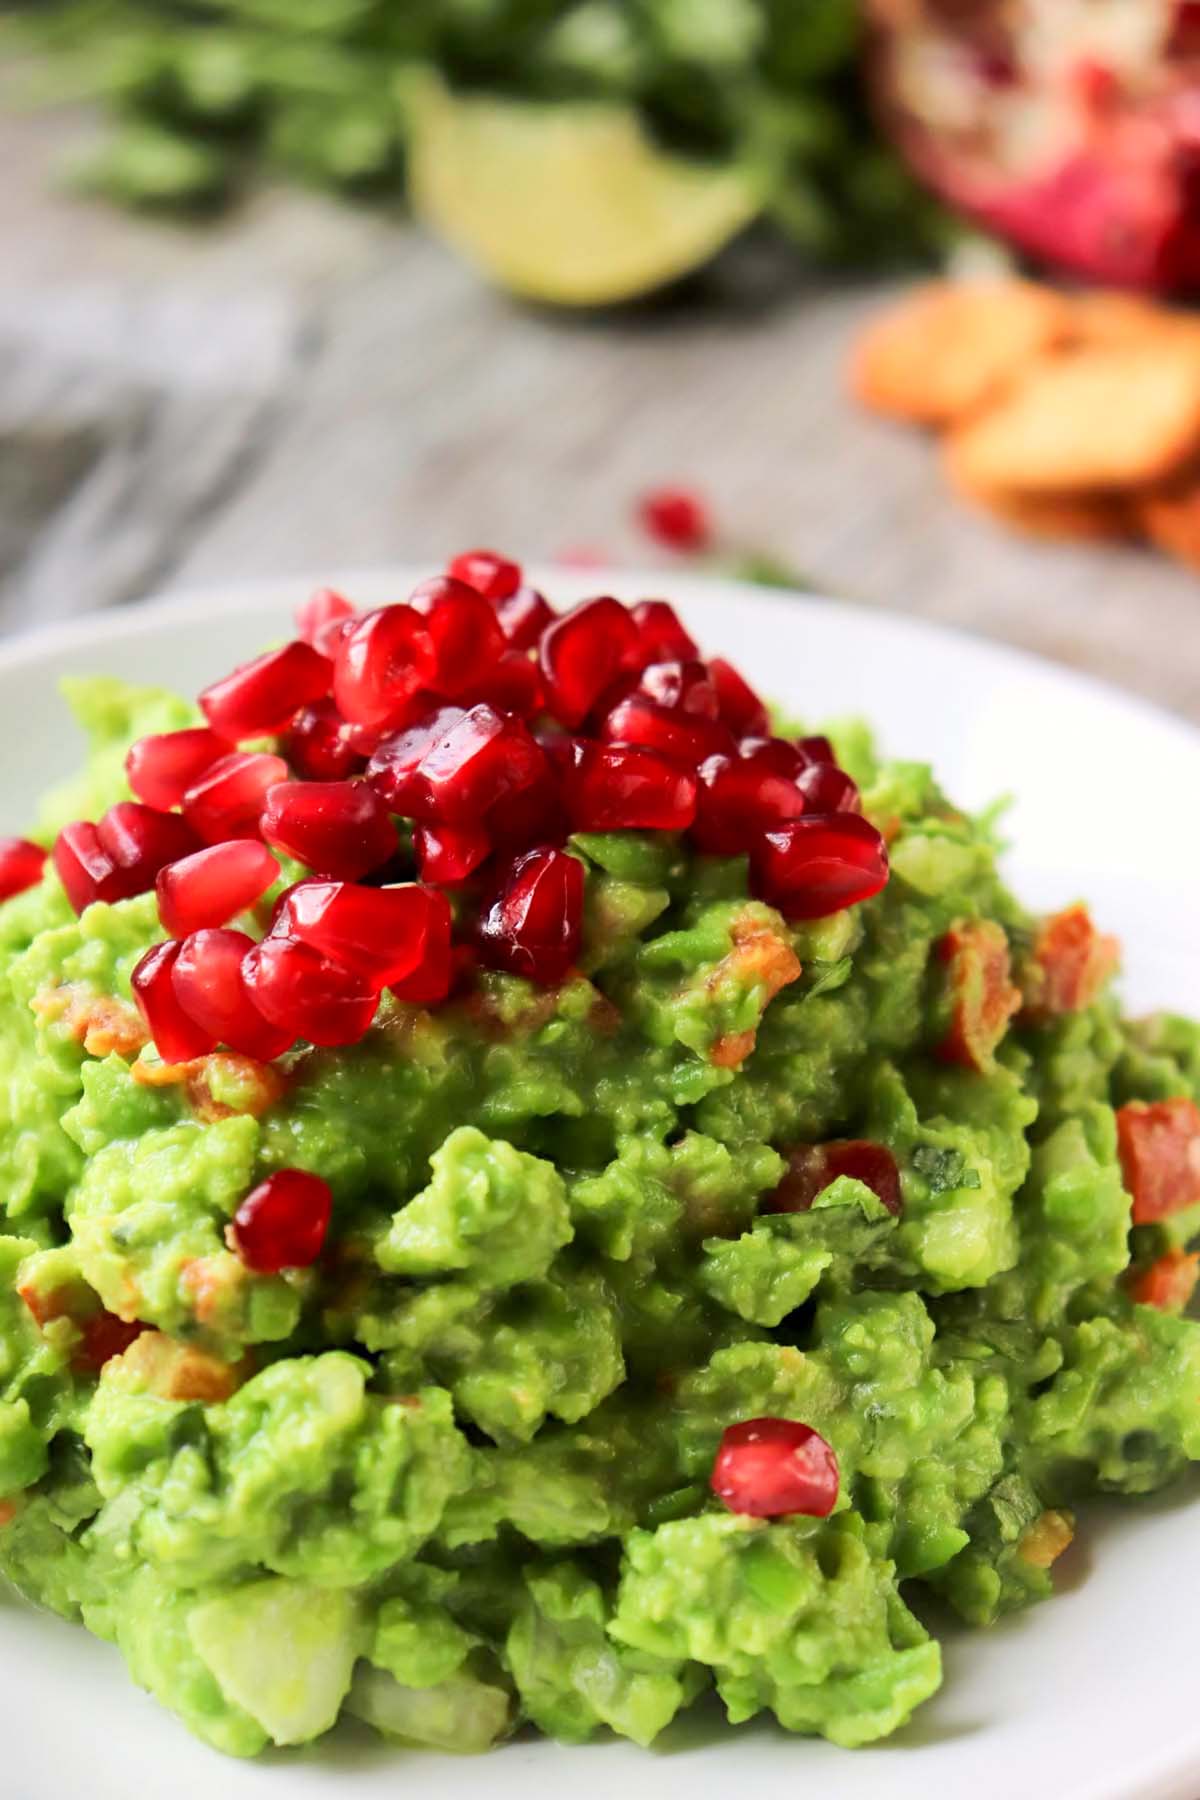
column 205, row 95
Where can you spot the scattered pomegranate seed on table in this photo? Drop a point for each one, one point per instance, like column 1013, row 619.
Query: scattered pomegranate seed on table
column 678, row 518
column 769, row 1468
column 281, row 1224
column 447, row 743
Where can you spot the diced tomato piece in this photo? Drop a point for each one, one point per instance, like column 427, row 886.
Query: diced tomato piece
column 812, row 1167
column 104, row 1336
column 1169, row 1282
column 1072, row 961
column 984, row 999
column 1160, row 1155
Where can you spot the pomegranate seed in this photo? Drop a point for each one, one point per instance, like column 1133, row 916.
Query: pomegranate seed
column 321, row 620
column 177, row 1037
column 678, row 518
column 449, row 853
column 662, row 637
column 453, row 767
column 464, row 631
column 212, row 885
column 512, row 685
column 384, row 659
column 282, row 1223
column 262, row 697
column 306, row 994
column 815, row 866
column 382, row 934
column 534, row 926
column 523, row 617
column 768, row 1468
column 336, row 828
column 582, row 653
column 626, row 788
column 772, row 753
column 160, row 769
column 682, row 687
column 816, row 750
column 811, row 1168
column 319, row 745
column 122, row 855
column 207, row 981
column 739, row 798
column 533, row 816
column 640, row 720
column 828, row 789
column 433, row 977
column 738, row 704
column 228, row 799
column 493, row 576
column 21, row 865
column 104, row 1336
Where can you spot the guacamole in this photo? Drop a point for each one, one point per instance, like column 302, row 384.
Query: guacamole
column 900, row 1176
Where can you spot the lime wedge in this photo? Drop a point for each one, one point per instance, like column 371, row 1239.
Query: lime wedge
column 568, row 203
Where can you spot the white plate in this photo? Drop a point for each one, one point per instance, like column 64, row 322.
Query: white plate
column 1091, row 1697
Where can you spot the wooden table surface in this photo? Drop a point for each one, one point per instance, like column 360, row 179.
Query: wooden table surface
column 304, row 386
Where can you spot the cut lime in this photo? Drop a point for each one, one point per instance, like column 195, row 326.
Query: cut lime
column 569, row 203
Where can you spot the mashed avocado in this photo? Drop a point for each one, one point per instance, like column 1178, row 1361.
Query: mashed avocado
column 871, row 1172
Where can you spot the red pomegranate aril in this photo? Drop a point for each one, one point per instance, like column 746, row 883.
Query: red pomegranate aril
column 177, row 1037
column 307, row 994
column 828, row 789
column 739, row 798
column 283, row 1222
column 625, row 788
column 492, row 575
column 534, row 925
column 661, row 636
column 770, row 1468
column 382, row 934
column 472, row 760
column 262, row 697
column 338, row 828
column 228, row 799
column 84, row 867
column 816, row 749
column 535, row 815
column 319, row 747
column 434, row 974
column 819, row 865
column 213, row 885
column 206, row 978
column 513, row 684
column 678, row 518
column 21, row 866
column 688, row 738
column 392, row 770
column 464, row 632
column 582, row 653
column 140, row 840
column 449, row 853
column 773, row 753
column 812, row 1167
column 384, row 659
column 523, row 616
column 739, row 706
column 321, row 620
column 681, row 686
column 161, row 768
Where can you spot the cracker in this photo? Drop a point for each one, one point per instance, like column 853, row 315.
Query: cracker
column 951, row 347
column 1105, row 317
column 1170, row 517
column 1084, row 517
column 1120, row 416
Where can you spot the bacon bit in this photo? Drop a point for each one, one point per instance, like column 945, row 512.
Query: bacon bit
column 174, row 1371
column 760, row 957
column 104, row 1336
column 984, row 998
column 262, row 1083
column 1168, row 1283
column 8, row 1512
column 1043, row 1542
column 46, row 1307
column 1159, row 1146
column 99, row 1022
column 812, row 1167
column 1072, row 961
